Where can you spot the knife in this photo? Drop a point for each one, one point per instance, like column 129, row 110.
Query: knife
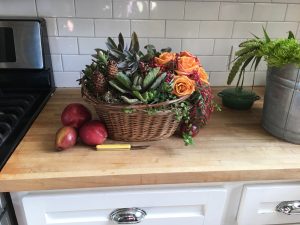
column 120, row 147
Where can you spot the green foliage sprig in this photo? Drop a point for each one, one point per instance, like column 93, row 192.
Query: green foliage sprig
column 276, row 53
column 281, row 52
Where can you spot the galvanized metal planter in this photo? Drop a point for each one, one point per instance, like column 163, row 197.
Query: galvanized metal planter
column 281, row 112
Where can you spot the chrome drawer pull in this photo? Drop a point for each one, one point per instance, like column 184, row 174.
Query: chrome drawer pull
column 127, row 215
column 288, row 207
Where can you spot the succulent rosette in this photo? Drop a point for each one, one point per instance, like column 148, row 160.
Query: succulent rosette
column 126, row 75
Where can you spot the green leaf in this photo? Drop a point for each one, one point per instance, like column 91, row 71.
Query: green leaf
column 136, row 87
column 115, row 85
column 131, row 101
column 168, row 49
column 258, row 59
column 135, row 80
column 110, row 43
column 146, row 96
column 139, row 96
column 291, row 35
column 150, row 77
column 124, row 80
column 266, row 35
column 134, row 44
column 121, row 42
column 188, row 139
column 158, row 81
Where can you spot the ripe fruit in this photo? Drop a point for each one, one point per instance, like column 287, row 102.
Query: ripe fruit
column 93, row 133
column 75, row 115
column 65, row 138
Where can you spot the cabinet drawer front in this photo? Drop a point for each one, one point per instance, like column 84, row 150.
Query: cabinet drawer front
column 171, row 206
column 259, row 202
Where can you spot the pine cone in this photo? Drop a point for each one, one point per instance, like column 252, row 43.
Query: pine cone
column 100, row 83
column 112, row 69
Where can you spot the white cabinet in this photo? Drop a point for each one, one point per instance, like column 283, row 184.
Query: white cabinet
column 164, row 206
column 259, row 202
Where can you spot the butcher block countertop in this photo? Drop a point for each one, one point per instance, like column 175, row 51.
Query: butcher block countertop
column 232, row 147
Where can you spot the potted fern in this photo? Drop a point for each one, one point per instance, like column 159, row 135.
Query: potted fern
column 146, row 96
column 282, row 99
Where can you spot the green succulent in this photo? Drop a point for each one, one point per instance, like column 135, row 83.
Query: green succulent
column 137, row 88
column 127, row 58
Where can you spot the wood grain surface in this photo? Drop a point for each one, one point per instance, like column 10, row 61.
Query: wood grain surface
column 232, row 147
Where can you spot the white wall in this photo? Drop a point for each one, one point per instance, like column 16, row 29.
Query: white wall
column 206, row 28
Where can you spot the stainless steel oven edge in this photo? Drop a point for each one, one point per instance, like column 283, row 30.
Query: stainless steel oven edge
column 27, row 44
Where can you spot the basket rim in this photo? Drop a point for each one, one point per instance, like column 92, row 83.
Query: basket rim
column 92, row 100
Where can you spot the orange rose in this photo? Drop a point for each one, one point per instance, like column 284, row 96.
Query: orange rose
column 187, row 65
column 203, row 75
column 164, row 58
column 183, row 86
column 185, row 53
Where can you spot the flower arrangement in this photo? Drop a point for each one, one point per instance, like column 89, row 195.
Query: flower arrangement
column 124, row 75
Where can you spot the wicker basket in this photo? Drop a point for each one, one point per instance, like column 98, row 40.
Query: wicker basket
column 137, row 125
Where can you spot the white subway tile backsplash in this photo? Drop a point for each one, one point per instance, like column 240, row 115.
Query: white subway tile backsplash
column 162, row 9
column 281, row 29
column 198, row 46
column 56, row 8
column 66, row 79
column 17, row 8
column 286, row 1
column 214, row 63
column 88, row 45
column 205, row 27
column 247, row 29
column 161, row 43
column 75, row 27
column 75, row 63
column 148, row 28
column 236, row 11
column 223, row 46
column 218, row 79
column 63, row 45
column 94, row 8
column 56, row 63
column 182, row 29
column 131, row 9
column 51, row 27
column 269, row 12
column 293, row 12
column 112, row 28
column 202, row 10
column 215, row 29
column 260, row 78
column 254, row 0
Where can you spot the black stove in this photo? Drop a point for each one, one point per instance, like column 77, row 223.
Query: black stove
column 26, row 79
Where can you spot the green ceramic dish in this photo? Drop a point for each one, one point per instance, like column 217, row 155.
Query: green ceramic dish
column 238, row 99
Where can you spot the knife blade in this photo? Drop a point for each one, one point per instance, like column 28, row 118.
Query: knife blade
column 120, row 147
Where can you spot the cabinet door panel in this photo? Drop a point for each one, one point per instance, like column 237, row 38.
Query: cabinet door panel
column 172, row 206
column 259, row 202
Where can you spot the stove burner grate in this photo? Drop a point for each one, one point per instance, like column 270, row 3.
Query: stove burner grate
column 12, row 108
